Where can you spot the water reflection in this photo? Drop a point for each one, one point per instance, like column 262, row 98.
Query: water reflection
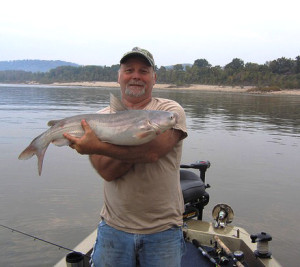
column 240, row 111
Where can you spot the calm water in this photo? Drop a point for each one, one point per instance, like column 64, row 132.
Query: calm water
column 252, row 142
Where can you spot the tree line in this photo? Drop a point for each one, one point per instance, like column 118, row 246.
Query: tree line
column 283, row 73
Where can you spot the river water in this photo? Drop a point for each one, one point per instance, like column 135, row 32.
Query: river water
column 252, row 142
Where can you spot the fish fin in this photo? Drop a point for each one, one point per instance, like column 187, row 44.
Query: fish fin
column 116, row 104
column 53, row 122
column 40, row 157
column 145, row 130
column 144, row 134
column 28, row 152
column 61, row 142
column 34, row 149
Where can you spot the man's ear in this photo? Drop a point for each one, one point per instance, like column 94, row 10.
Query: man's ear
column 154, row 78
column 119, row 77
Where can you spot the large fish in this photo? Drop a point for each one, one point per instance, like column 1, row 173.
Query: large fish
column 125, row 127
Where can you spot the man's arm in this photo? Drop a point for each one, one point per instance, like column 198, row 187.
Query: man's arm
column 112, row 161
column 109, row 168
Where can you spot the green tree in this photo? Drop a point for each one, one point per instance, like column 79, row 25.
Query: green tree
column 202, row 63
column 282, row 66
column 178, row 67
column 297, row 64
column 235, row 65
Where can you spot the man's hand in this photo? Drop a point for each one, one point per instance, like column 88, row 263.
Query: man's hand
column 87, row 144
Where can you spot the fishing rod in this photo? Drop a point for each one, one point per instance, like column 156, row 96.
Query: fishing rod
column 228, row 252
column 204, row 252
column 40, row 239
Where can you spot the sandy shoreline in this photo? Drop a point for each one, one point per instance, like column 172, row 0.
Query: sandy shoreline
column 200, row 87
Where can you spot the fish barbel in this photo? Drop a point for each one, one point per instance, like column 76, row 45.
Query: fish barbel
column 126, row 127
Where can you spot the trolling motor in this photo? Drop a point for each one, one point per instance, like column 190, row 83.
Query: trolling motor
column 262, row 239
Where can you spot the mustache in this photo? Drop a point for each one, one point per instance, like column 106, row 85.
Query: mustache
column 136, row 83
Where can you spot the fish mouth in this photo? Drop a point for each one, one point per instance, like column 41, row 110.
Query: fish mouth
column 156, row 127
column 176, row 117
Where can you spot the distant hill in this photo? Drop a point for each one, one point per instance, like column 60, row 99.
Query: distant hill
column 34, row 65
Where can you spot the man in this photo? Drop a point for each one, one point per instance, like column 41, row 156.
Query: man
column 143, row 204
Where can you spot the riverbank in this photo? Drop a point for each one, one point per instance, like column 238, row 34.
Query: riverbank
column 236, row 89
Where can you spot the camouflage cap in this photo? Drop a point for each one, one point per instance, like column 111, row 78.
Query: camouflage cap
column 136, row 51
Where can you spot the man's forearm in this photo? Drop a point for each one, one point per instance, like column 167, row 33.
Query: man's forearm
column 109, row 168
column 112, row 161
column 129, row 154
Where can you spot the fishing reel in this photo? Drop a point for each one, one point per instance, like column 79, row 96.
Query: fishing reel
column 222, row 215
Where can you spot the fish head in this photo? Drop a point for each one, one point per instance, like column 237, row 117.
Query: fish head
column 161, row 121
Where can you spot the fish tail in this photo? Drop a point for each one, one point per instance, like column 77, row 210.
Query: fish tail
column 34, row 149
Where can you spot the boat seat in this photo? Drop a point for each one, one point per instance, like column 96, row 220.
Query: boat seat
column 192, row 186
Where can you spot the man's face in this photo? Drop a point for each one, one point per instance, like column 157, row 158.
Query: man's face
column 136, row 78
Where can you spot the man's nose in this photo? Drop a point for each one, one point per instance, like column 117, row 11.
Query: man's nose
column 136, row 75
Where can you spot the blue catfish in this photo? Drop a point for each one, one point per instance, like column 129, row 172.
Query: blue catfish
column 125, row 127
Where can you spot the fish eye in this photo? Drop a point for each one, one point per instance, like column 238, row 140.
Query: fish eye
column 174, row 116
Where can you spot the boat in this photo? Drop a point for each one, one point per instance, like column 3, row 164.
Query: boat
column 215, row 243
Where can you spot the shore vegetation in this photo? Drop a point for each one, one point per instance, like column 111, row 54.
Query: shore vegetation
column 282, row 73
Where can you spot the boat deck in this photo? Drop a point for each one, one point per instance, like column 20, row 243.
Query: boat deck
column 204, row 232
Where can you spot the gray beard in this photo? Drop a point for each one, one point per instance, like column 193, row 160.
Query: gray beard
column 134, row 94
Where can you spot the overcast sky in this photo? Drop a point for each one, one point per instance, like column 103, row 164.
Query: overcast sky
column 98, row 32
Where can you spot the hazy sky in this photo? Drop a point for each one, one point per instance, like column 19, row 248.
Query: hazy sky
column 98, row 32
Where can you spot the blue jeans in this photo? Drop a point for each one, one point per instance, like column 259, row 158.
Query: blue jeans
column 114, row 248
